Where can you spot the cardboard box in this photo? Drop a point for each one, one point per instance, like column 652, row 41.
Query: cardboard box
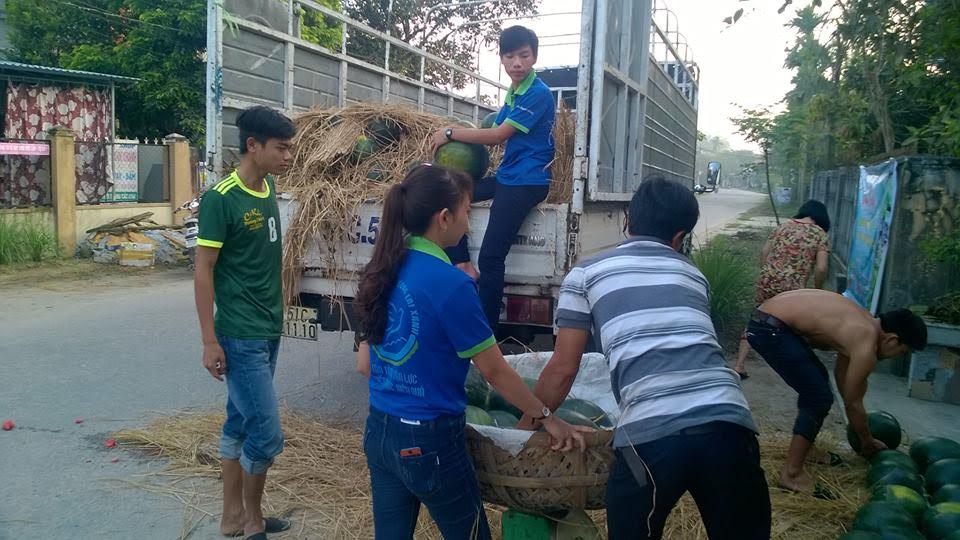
column 137, row 254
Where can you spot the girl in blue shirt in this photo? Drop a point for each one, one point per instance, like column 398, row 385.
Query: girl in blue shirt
column 422, row 324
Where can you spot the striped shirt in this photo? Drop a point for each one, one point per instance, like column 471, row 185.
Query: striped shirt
column 649, row 309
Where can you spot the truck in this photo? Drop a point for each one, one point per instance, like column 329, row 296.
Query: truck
column 635, row 90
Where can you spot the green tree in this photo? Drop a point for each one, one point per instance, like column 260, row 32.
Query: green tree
column 440, row 31
column 316, row 28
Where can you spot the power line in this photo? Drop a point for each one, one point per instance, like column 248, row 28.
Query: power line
column 101, row 12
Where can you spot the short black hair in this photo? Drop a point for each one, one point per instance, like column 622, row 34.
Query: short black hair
column 514, row 38
column 263, row 123
column 907, row 325
column 662, row 208
column 816, row 211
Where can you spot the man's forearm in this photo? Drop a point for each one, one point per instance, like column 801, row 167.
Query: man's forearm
column 203, row 297
column 489, row 137
column 553, row 386
column 857, row 419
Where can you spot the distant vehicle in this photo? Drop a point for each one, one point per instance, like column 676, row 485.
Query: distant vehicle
column 713, row 179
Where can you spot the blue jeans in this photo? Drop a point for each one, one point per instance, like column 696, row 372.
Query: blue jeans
column 252, row 431
column 794, row 360
column 510, row 207
column 438, row 474
column 718, row 463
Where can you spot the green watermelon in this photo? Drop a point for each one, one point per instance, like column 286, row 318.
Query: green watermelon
column 860, row 535
column 879, row 516
column 503, row 419
column 588, row 409
column 496, row 401
column 895, row 457
column 892, row 474
column 478, row 391
column 334, row 120
column 942, row 473
column 472, row 159
column 953, row 536
column 384, row 130
column 457, row 121
column 902, row 496
column 946, row 493
column 932, row 449
column 364, row 149
column 883, row 426
column 476, row 415
column 489, row 120
column 575, row 525
column 574, row 418
column 377, row 175
column 941, row 520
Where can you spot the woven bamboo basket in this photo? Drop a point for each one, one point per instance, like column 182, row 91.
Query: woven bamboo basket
column 541, row 480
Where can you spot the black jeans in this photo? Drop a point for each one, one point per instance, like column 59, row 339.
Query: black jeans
column 718, row 463
column 792, row 358
column 510, row 207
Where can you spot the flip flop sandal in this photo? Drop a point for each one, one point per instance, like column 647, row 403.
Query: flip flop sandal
column 836, row 460
column 270, row 525
column 743, row 376
column 821, row 491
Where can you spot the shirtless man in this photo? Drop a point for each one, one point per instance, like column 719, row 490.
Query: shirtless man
column 785, row 329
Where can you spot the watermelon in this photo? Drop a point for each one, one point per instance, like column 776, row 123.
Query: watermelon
column 377, row 175
column 364, row 149
column 883, row 426
column 384, row 130
column 489, row 120
column 942, row 473
column 953, row 536
column 574, row 418
column 879, row 516
column 576, row 525
column 334, row 120
column 860, row 535
column 457, row 121
column 478, row 391
column 902, row 496
column 588, row 409
column 932, row 449
column 476, row 415
column 503, row 419
column 947, row 493
column 894, row 457
column 941, row 520
column 496, row 401
column 892, row 474
column 472, row 159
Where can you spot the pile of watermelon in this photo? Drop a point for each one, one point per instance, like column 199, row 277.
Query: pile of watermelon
column 486, row 407
column 380, row 133
column 913, row 497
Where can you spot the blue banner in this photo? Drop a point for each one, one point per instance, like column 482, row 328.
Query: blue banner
column 876, row 197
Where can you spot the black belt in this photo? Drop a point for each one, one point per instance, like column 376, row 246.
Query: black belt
column 764, row 318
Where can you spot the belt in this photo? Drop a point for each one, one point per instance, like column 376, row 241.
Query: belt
column 761, row 317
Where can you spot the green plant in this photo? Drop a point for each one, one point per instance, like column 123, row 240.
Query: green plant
column 731, row 283
column 28, row 240
column 10, row 248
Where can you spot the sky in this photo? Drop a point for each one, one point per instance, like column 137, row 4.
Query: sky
column 739, row 64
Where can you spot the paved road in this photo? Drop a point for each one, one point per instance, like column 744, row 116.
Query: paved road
column 718, row 210
column 117, row 353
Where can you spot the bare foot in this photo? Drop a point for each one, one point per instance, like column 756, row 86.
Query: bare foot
column 469, row 270
column 801, row 482
column 231, row 525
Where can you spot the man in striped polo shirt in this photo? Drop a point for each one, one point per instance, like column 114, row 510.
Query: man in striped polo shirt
column 684, row 422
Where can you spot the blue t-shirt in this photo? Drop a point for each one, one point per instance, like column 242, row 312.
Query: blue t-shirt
column 435, row 325
column 531, row 110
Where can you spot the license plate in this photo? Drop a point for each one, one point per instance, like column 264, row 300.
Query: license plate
column 300, row 323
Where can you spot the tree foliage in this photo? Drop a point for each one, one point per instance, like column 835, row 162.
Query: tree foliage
column 439, row 30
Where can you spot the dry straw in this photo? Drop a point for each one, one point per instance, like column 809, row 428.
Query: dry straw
column 329, row 185
column 321, row 482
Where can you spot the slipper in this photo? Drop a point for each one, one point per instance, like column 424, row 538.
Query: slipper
column 743, row 375
column 270, row 525
column 836, row 459
column 821, row 491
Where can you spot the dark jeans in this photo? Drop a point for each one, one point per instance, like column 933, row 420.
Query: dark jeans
column 718, row 463
column 441, row 477
column 510, row 207
column 792, row 358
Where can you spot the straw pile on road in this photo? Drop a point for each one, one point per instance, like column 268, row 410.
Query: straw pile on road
column 330, row 183
column 321, row 482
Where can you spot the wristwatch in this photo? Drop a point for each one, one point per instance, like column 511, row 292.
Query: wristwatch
column 449, row 133
column 545, row 411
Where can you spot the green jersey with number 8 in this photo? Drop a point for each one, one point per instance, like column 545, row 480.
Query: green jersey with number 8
column 245, row 226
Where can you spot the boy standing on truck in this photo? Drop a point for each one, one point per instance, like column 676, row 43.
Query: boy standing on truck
column 238, row 267
column 522, row 181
